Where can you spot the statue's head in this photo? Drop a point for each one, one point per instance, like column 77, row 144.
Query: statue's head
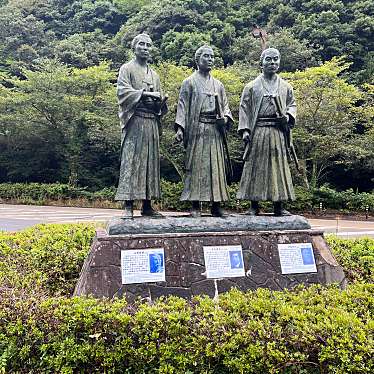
column 270, row 60
column 141, row 45
column 204, row 57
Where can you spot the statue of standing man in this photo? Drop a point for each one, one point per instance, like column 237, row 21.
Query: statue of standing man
column 267, row 114
column 140, row 108
column 203, row 117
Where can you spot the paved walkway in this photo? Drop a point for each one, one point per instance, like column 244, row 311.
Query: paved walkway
column 18, row 217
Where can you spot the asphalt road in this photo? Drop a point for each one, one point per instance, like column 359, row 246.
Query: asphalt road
column 18, row 217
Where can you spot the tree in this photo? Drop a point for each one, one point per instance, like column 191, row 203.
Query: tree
column 326, row 124
column 23, row 40
column 61, row 112
column 88, row 49
column 295, row 54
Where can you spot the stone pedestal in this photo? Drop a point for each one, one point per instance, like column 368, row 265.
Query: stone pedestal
column 183, row 243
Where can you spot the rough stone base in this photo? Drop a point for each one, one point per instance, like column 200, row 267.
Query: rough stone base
column 187, row 224
column 101, row 273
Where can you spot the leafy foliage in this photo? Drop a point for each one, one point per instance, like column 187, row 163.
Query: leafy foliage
column 45, row 258
column 356, row 256
column 70, row 52
column 311, row 330
column 67, row 111
column 325, row 130
column 307, row 200
column 314, row 330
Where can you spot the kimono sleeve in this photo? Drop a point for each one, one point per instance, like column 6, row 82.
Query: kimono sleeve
column 128, row 96
column 291, row 107
column 164, row 107
column 183, row 106
column 245, row 109
column 225, row 105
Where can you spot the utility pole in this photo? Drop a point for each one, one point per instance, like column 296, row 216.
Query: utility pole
column 259, row 33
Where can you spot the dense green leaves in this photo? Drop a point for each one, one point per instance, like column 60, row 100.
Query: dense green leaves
column 356, row 256
column 311, row 331
column 59, row 61
column 46, row 259
column 66, row 112
column 319, row 29
column 326, row 125
column 42, row 329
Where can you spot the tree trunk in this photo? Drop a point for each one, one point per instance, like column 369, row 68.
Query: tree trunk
column 304, row 173
column 314, row 178
column 73, row 170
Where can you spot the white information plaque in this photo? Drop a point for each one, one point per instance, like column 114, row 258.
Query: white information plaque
column 143, row 265
column 224, row 261
column 297, row 258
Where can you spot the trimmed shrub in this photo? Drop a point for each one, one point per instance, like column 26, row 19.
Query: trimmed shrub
column 356, row 256
column 43, row 330
column 314, row 330
column 306, row 200
column 51, row 256
column 46, row 256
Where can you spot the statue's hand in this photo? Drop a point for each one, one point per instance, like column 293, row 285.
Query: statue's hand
column 246, row 136
column 285, row 119
column 179, row 135
column 221, row 121
column 152, row 95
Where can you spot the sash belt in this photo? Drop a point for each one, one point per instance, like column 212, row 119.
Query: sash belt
column 144, row 113
column 208, row 118
column 268, row 121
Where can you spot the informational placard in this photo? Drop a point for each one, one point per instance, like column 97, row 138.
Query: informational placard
column 143, row 265
column 297, row 258
column 224, row 261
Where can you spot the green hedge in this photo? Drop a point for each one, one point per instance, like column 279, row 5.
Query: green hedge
column 50, row 256
column 39, row 193
column 47, row 257
column 314, row 330
column 44, row 330
column 306, row 200
column 356, row 256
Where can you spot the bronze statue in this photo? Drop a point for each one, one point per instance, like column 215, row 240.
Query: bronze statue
column 140, row 107
column 203, row 117
column 267, row 114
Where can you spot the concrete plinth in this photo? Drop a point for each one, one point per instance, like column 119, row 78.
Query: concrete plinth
column 184, row 260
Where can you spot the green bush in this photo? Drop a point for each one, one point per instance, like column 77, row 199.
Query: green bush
column 171, row 193
column 306, row 200
column 46, row 256
column 43, row 330
column 356, row 256
column 314, row 330
column 346, row 200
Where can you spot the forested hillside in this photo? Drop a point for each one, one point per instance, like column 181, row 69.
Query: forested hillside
column 59, row 60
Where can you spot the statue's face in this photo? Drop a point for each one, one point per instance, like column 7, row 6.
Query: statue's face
column 142, row 47
column 270, row 63
column 206, row 60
